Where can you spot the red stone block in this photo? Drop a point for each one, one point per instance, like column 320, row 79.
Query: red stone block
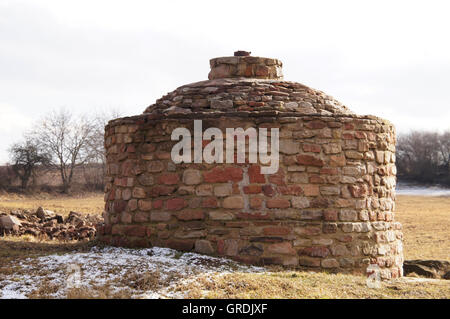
column 191, row 215
column 169, row 179
column 252, row 189
column 255, row 104
column 316, row 124
column 216, row 175
column 254, row 174
column 268, row 190
column 161, row 190
column 175, row 204
column 316, row 179
column 348, row 136
column 315, row 251
column 158, row 204
column 248, row 70
column 234, row 174
column 262, row 70
column 219, row 175
column 330, row 215
column 309, row 160
column 349, row 126
column 278, row 203
column 127, row 167
column 119, row 206
column 311, row 190
column 313, row 148
column 136, row 230
column 210, row 202
column 277, row 179
column 276, row 231
column 296, row 190
column 284, row 248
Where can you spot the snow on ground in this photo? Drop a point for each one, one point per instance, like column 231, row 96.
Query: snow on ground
column 422, row 190
column 115, row 267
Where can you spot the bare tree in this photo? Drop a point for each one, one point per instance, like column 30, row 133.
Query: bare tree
column 424, row 157
column 67, row 139
column 26, row 157
column 94, row 172
column 444, row 149
column 97, row 143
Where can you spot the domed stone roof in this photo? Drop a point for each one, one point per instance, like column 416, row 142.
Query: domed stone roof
column 249, row 84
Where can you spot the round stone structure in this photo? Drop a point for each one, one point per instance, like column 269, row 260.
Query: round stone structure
column 329, row 206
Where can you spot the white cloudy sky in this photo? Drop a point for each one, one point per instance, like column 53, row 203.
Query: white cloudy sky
column 387, row 58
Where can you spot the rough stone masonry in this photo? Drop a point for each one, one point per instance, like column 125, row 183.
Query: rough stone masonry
column 330, row 205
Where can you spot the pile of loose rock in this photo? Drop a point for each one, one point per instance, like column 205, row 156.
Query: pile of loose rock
column 438, row 269
column 47, row 224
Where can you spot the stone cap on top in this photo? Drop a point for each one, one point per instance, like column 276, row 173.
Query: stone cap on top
column 242, row 65
column 243, row 83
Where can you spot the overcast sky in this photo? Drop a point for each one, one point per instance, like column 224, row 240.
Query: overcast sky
column 386, row 58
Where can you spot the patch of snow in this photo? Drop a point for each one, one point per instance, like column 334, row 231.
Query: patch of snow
column 110, row 265
column 422, row 190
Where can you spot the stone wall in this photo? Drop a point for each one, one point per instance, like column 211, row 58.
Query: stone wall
column 330, row 206
column 245, row 66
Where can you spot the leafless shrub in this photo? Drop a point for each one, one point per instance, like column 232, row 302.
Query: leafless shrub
column 26, row 157
column 6, row 176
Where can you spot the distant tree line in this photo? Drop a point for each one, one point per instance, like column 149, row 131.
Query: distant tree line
column 63, row 142
column 424, row 157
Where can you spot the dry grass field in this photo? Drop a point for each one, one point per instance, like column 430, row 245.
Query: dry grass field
column 309, row 285
column 62, row 204
column 426, row 225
